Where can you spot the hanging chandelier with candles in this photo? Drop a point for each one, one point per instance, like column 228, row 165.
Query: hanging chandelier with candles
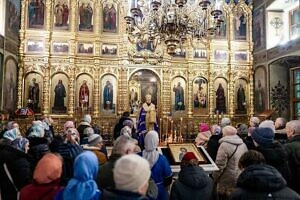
column 173, row 22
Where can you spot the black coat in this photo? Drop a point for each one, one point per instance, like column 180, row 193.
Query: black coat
column 192, row 183
column 262, row 182
column 293, row 150
column 213, row 145
column 122, row 195
column 276, row 156
column 119, row 126
column 38, row 147
column 19, row 166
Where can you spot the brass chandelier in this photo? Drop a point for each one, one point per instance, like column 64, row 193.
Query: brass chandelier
column 173, row 22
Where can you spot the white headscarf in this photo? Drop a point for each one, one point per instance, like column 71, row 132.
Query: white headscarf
column 151, row 143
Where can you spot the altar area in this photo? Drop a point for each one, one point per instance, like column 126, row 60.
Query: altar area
column 69, row 67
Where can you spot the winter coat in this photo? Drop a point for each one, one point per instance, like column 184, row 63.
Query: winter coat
column 213, row 146
column 96, row 150
column 262, row 182
column 122, row 195
column 228, row 169
column 279, row 160
column 192, row 183
column 69, row 152
column 38, row 147
column 20, row 168
column 36, row 191
column 293, row 150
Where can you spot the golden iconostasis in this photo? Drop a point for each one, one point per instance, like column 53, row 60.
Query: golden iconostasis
column 75, row 58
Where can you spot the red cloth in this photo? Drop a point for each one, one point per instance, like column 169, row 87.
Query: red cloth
column 189, row 156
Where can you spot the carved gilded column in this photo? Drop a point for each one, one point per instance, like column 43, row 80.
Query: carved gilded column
column 211, row 92
column 190, row 94
column 46, row 93
column 96, row 94
column 71, row 103
column 20, row 84
column 166, row 92
column 97, row 16
column 123, row 101
column 231, row 94
column 251, row 93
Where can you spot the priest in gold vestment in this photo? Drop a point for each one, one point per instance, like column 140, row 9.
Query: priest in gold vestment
column 147, row 119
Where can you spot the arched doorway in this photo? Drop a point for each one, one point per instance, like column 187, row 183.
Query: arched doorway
column 141, row 83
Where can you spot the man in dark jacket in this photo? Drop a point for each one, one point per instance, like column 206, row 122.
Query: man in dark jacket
column 274, row 152
column 293, row 150
column 260, row 181
column 193, row 182
column 120, row 125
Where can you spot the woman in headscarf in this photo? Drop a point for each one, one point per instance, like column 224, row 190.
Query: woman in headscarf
column 203, row 135
column 82, row 186
column 15, row 168
column 10, row 136
column 46, row 179
column 160, row 168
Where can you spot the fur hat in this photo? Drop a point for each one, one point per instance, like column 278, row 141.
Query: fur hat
column 48, row 169
column 263, row 136
column 131, row 172
column 94, row 139
column 203, row 127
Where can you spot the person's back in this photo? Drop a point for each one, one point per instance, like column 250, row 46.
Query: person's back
column 193, row 182
column 261, row 182
column 293, row 150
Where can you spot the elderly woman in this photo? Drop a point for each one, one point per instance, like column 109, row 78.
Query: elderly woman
column 160, row 168
column 9, row 136
column 231, row 149
column 203, row 135
column 18, row 170
column 82, row 185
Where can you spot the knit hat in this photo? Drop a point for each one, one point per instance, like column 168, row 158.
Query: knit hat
column 229, row 130
column 267, row 124
column 225, row 122
column 94, row 139
column 68, row 124
column 128, row 123
column 131, row 172
column 203, row 127
column 88, row 131
column 263, row 136
column 87, row 118
column 189, row 156
column 48, row 169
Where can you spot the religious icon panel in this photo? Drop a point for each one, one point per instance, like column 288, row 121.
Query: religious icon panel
column 221, row 95
column 222, row 31
column 240, row 56
column 200, row 53
column 86, row 13
column 241, row 96
column 179, row 53
column 13, row 8
column 142, row 83
column 61, row 14
column 200, row 96
column 10, row 85
column 59, row 93
column 60, row 47
column 109, row 93
column 85, row 48
column 33, row 91
column 178, row 94
column 220, row 55
column 36, row 13
column 110, row 17
column 260, row 88
column 35, row 46
column 84, row 92
column 109, row 49
column 259, row 28
column 240, row 26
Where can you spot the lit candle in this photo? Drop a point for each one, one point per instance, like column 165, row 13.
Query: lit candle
column 160, row 129
column 180, row 125
column 171, row 128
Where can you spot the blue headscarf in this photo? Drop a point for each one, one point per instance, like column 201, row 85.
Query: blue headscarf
column 37, row 129
column 20, row 143
column 83, row 185
column 11, row 134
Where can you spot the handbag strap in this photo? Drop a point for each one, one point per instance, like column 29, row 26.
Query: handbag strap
column 9, row 176
column 216, row 181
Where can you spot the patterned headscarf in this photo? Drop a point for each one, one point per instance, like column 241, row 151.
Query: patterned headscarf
column 20, row 143
column 12, row 134
column 37, row 129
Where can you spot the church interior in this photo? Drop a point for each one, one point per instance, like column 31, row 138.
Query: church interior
column 168, row 73
column 68, row 58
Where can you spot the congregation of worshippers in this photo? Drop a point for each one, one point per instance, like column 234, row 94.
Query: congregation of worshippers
column 259, row 160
